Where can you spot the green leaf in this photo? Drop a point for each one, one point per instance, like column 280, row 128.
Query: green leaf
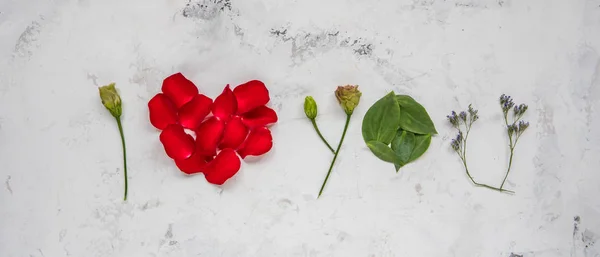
column 382, row 120
column 421, row 145
column 382, row 151
column 414, row 117
column 409, row 146
column 403, row 145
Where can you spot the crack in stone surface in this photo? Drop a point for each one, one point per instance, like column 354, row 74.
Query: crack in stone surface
column 7, row 184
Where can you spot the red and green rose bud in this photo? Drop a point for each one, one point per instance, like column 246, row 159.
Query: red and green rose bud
column 348, row 96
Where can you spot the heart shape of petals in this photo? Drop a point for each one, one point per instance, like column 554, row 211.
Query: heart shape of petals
column 238, row 126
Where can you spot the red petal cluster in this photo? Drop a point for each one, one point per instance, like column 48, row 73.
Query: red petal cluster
column 235, row 123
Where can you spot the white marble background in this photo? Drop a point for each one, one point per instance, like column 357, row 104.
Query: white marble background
column 60, row 158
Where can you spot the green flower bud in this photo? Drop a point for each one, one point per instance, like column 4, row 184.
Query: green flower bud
column 111, row 99
column 348, row 96
column 310, row 107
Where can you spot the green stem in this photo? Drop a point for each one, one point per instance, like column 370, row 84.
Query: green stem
column 464, row 161
column 512, row 151
column 480, row 184
column 464, row 153
column 336, row 154
column 314, row 123
column 510, row 140
column 124, row 155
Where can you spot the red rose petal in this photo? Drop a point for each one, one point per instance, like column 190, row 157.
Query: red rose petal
column 177, row 143
column 234, row 134
column 193, row 113
column 192, row 165
column 259, row 142
column 162, row 111
column 259, row 117
column 179, row 89
column 208, row 136
column 250, row 95
column 223, row 167
column 225, row 104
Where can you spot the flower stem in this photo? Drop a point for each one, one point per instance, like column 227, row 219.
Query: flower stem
column 510, row 139
column 512, row 151
column 480, row 184
column 124, row 155
column 314, row 123
column 464, row 161
column 336, row 154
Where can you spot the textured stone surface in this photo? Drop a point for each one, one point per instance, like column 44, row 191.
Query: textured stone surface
column 60, row 156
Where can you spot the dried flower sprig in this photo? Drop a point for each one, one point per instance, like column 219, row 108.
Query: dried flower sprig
column 515, row 129
column 463, row 123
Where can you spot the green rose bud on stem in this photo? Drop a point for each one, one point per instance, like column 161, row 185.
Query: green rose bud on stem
column 348, row 97
column 112, row 101
column 310, row 109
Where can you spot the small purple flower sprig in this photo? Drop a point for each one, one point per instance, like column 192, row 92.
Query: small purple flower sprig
column 514, row 129
column 463, row 123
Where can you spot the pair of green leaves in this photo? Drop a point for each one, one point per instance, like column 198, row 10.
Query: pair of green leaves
column 401, row 121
